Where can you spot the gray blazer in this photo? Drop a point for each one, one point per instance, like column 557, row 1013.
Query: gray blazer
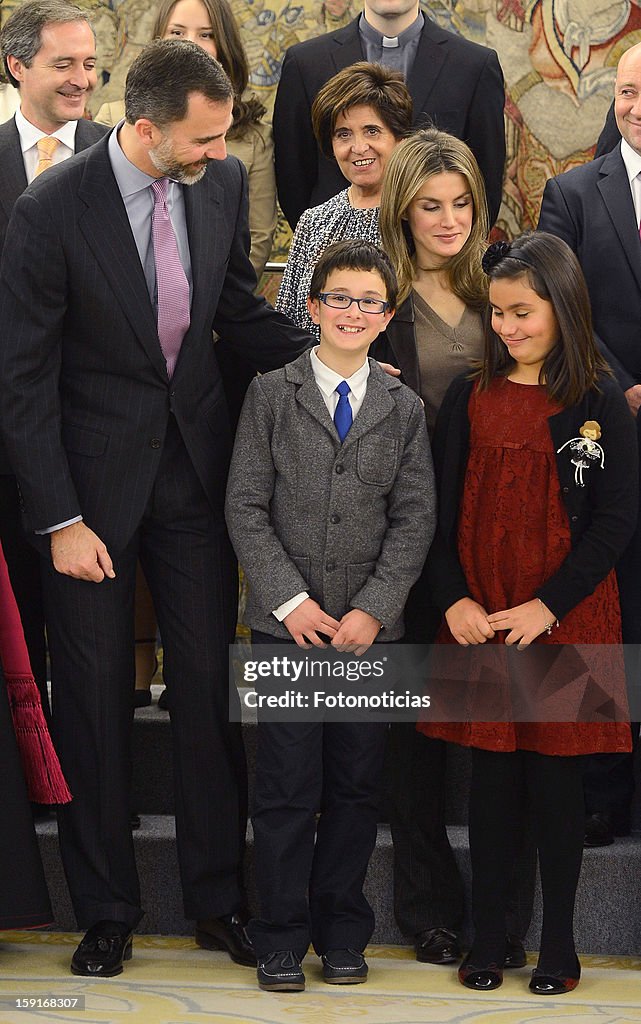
column 350, row 523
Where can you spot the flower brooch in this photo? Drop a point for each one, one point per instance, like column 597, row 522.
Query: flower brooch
column 585, row 450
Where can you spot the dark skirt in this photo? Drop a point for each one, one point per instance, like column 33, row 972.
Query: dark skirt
column 24, row 900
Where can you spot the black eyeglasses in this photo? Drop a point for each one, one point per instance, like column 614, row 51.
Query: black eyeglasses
column 339, row 301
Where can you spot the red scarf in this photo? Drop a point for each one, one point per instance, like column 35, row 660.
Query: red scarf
column 45, row 781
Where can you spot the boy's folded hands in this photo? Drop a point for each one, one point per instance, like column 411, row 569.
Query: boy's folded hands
column 310, row 626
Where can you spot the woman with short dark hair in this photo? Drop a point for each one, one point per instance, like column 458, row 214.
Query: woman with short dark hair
column 359, row 117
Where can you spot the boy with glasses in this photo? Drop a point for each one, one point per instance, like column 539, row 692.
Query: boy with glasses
column 331, row 509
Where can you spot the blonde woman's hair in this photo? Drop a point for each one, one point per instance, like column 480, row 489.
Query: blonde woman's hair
column 415, row 160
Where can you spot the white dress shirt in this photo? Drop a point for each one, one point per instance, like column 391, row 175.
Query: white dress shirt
column 632, row 161
column 30, row 136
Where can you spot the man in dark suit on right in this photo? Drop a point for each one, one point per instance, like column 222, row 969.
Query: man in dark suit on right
column 455, row 83
column 596, row 209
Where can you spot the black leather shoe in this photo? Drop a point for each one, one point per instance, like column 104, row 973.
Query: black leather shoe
column 280, row 972
column 481, row 979
column 344, row 967
column 598, row 830
column 103, row 950
column 555, row 983
column 227, row 933
column 163, row 700
column 437, row 946
column 515, row 955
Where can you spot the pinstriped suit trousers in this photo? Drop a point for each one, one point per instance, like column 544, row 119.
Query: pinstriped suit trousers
column 191, row 570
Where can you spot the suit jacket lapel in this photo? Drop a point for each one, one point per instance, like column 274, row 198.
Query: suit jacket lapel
column 106, row 228
column 309, row 395
column 347, row 46
column 203, row 209
column 615, row 189
column 86, row 135
column 13, row 180
column 430, row 58
column 377, row 405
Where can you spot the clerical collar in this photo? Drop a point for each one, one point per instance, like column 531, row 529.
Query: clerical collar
column 373, row 36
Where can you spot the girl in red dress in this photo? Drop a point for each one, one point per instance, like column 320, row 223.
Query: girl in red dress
column 536, row 463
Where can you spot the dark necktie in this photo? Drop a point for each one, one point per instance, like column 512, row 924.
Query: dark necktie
column 171, row 283
column 343, row 413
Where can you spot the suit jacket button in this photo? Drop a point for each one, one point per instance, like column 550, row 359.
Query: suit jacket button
column 566, row 490
column 340, row 468
column 330, row 566
column 155, row 442
column 335, row 519
column 574, row 519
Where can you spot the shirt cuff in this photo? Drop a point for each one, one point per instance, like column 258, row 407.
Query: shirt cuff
column 59, row 526
column 283, row 610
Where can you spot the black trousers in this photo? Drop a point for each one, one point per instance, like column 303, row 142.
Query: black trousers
column 23, row 563
column 310, row 874
column 428, row 889
column 191, row 570
column 502, row 783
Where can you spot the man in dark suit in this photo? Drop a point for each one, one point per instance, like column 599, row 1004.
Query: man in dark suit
column 454, row 83
column 49, row 54
column 596, row 209
column 117, row 266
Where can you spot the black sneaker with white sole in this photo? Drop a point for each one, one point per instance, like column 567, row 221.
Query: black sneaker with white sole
column 280, row 972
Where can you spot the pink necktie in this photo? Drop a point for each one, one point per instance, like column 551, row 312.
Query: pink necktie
column 171, row 283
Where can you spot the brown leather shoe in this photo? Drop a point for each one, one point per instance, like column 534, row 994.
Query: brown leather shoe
column 437, row 946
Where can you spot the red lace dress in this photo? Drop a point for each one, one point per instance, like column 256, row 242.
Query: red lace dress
column 513, row 535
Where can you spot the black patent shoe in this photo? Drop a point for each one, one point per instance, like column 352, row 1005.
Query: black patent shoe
column 481, row 979
column 344, row 967
column 103, row 949
column 515, row 955
column 227, row 933
column 437, row 946
column 555, row 983
column 280, row 972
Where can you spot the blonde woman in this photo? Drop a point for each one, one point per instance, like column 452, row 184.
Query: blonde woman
column 433, row 223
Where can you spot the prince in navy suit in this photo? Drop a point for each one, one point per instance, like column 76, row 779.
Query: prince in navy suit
column 121, row 455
